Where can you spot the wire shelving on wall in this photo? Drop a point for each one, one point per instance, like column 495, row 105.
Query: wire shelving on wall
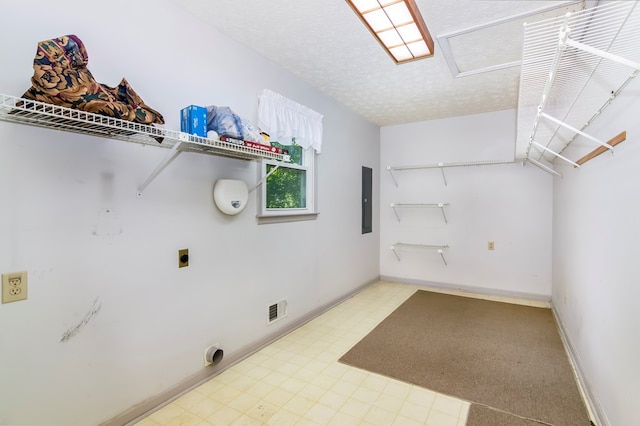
column 441, row 206
column 573, row 67
column 393, row 169
column 34, row 113
column 397, row 247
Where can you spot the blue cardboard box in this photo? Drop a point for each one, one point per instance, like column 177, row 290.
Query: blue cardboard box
column 193, row 120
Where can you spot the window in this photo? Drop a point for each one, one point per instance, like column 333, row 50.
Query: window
column 288, row 192
column 288, row 189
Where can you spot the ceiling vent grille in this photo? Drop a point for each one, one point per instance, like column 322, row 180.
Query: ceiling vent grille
column 277, row 311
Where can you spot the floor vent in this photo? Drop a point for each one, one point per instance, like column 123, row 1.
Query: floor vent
column 277, row 311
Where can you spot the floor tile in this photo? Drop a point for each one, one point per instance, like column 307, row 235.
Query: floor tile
column 298, row 380
column 320, row 414
column 224, row 416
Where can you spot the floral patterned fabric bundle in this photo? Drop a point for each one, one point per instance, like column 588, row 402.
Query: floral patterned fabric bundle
column 61, row 77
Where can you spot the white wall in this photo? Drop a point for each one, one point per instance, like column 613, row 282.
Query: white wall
column 595, row 246
column 508, row 204
column 154, row 320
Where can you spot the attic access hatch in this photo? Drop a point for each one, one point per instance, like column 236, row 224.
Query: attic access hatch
column 466, row 51
column 573, row 67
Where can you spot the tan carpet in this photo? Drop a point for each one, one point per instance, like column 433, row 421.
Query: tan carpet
column 499, row 355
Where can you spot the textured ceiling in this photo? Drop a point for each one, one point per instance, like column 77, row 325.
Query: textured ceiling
column 326, row 44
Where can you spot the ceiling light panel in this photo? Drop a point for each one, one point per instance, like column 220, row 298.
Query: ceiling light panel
column 418, row 48
column 398, row 27
column 364, row 5
column 378, row 20
column 410, row 33
column 390, row 38
column 399, row 14
column 401, row 53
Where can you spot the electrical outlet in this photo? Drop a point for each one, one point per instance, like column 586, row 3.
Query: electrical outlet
column 491, row 245
column 14, row 286
column 183, row 258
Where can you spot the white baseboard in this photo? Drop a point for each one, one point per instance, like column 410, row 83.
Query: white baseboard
column 597, row 415
column 516, row 297
column 139, row 411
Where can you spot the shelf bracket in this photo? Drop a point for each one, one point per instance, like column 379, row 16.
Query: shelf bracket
column 171, row 155
column 393, row 249
column 444, row 178
column 261, row 181
column 441, row 205
column 555, row 154
column 393, row 206
column 442, row 255
column 390, row 170
column 573, row 129
column 543, row 167
column 603, row 54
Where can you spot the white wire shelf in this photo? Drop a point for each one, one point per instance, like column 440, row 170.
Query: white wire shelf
column 442, row 166
column 397, row 247
column 40, row 114
column 441, row 206
column 573, row 67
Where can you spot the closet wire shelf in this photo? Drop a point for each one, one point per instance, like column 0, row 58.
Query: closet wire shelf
column 441, row 206
column 41, row 114
column 442, row 166
column 397, row 247
column 573, row 67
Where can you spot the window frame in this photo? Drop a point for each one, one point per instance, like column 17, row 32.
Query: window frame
column 278, row 215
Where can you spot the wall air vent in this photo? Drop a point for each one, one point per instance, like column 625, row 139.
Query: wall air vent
column 276, row 311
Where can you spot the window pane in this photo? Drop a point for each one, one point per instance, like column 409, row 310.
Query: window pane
column 295, row 151
column 286, row 188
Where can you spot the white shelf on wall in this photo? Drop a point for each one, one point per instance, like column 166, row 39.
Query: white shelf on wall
column 573, row 67
column 397, row 247
column 442, row 166
column 441, row 206
column 26, row 111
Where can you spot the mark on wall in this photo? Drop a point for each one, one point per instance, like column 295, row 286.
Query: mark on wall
column 67, row 335
column 108, row 225
column 106, row 178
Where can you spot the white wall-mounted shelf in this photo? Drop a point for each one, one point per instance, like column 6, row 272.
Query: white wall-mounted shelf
column 442, row 166
column 573, row 67
column 26, row 111
column 397, row 247
column 441, row 206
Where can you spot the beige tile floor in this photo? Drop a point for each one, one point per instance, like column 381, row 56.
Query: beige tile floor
column 297, row 380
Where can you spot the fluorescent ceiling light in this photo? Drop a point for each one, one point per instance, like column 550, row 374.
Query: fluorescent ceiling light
column 398, row 26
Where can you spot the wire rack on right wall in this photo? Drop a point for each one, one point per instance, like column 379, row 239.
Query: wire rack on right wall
column 572, row 68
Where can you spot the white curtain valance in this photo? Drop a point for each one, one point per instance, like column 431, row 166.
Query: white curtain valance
column 284, row 119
